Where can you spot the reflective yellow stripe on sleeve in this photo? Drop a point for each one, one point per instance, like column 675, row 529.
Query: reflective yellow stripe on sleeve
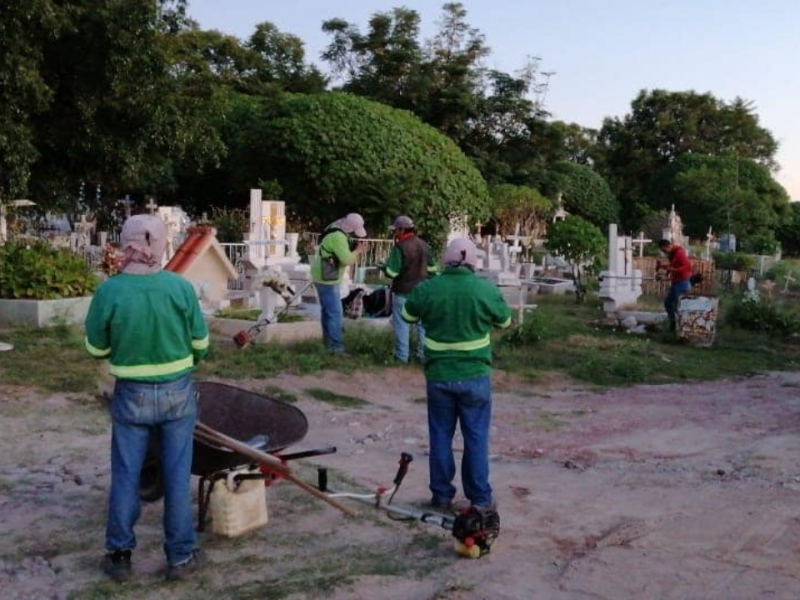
column 458, row 346
column 504, row 324
column 408, row 317
column 390, row 273
column 94, row 350
column 131, row 372
column 200, row 344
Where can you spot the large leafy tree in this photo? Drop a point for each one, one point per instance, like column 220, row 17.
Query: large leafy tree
column 24, row 91
column 724, row 193
column 581, row 190
column 333, row 153
column 663, row 126
column 495, row 117
column 789, row 231
column 514, row 205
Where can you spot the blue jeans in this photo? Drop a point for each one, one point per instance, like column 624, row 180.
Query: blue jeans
column 402, row 331
column 331, row 316
column 469, row 403
column 168, row 410
column 676, row 290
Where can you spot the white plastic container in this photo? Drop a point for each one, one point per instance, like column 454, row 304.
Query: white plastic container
column 238, row 508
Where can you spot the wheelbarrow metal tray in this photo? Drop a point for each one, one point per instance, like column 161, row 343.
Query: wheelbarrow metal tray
column 243, row 415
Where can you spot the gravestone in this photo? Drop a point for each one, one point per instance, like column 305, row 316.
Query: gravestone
column 674, row 229
column 621, row 284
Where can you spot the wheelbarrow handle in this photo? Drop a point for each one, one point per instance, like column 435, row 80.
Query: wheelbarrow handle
column 206, row 433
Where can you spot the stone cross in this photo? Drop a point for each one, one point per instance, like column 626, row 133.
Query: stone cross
column 151, row 205
column 709, row 240
column 788, row 277
column 641, row 241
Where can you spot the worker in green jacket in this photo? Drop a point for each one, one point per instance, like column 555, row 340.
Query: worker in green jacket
column 458, row 310
column 335, row 253
column 410, row 262
column 148, row 324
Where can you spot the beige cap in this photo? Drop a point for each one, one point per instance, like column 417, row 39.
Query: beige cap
column 353, row 223
column 461, row 251
column 143, row 240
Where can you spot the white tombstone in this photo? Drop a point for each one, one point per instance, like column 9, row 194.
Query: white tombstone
column 641, row 241
column 674, row 229
column 459, row 228
column 177, row 222
column 83, row 233
column 621, row 284
column 267, row 239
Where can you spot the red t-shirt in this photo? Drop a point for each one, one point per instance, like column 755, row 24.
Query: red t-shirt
column 679, row 262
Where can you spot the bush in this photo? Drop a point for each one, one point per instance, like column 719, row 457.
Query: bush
column 762, row 316
column 38, row 271
column 734, row 261
column 532, row 330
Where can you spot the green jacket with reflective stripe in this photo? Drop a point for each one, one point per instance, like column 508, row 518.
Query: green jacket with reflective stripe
column 458, row 310
column 150, row 327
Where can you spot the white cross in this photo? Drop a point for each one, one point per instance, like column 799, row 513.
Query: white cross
column 788, row 277
column 641, row 241
column 151, row 205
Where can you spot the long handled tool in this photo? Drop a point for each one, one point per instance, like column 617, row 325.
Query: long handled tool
column 474, row 530
column 206, row 434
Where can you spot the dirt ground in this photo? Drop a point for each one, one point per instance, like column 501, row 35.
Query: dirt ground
column 671, row 492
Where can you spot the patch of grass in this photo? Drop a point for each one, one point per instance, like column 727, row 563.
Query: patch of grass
column 278, row 393
column 570, row 344
column 53, row 359
column 338, row 400
column 248, row 314
column 367, row 348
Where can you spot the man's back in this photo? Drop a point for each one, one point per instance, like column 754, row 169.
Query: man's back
column 458, row 310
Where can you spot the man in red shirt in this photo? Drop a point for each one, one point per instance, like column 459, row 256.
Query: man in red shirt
column 680, row 271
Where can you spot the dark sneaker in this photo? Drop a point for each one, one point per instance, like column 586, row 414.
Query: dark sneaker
column 117, row 565
column 187, row 568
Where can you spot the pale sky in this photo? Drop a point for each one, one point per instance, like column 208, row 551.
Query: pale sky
column 602, row 51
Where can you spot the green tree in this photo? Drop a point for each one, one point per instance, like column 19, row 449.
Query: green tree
column 727, row 194
column 584, row 193
column 663, row 126
column 580, row 243
column 495, row 117
column 24, row 91
column 516, row 204
column 330, row 153
column 789, row 231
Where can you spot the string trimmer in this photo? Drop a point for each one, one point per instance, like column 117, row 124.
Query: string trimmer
column 474, row 530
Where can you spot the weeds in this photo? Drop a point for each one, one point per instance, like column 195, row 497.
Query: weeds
column 338, row 400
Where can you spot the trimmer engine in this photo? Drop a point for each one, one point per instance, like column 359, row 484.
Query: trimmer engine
column 475, row 531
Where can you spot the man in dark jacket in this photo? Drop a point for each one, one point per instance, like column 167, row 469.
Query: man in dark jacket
column 410, row 262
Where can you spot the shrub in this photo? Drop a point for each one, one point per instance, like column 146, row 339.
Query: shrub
column 734, row 261
column 532, row 330
column 762, row 316
column 38, row 271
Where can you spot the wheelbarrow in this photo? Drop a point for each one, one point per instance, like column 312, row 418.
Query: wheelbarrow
column 261, row 422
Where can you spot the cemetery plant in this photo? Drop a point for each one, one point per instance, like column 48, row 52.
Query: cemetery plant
column 329, row 153
column 580, row 243
column 763, row 315
column 35, row 270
